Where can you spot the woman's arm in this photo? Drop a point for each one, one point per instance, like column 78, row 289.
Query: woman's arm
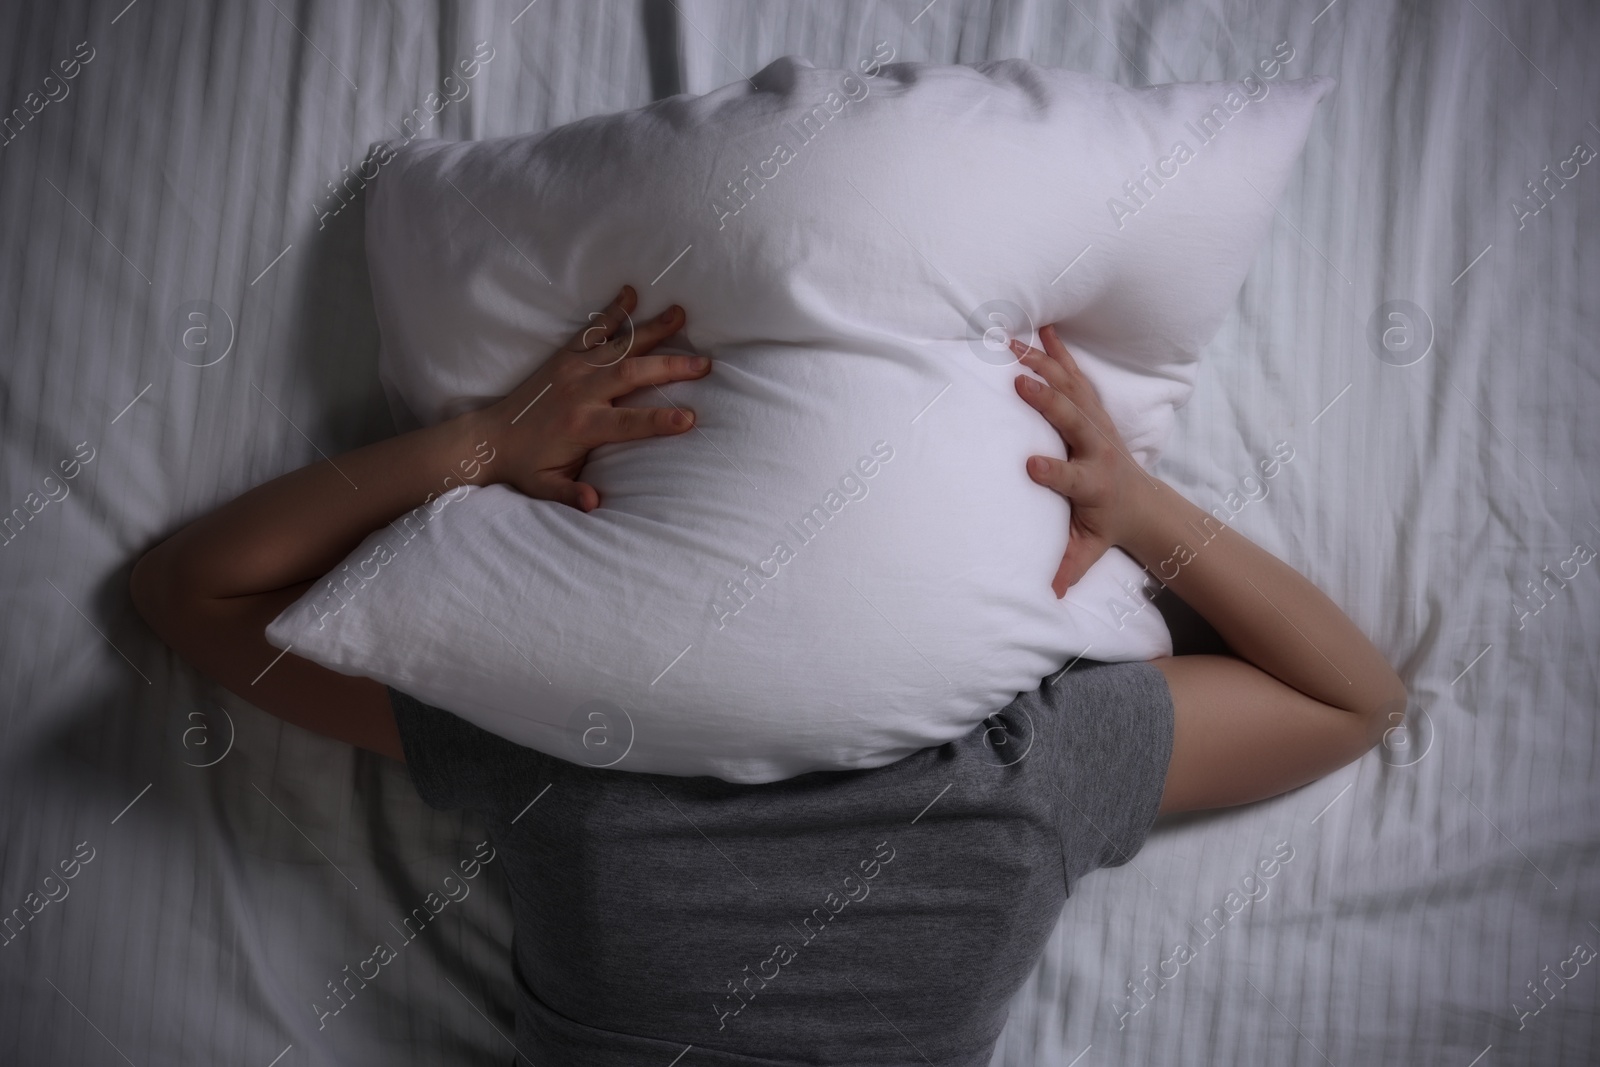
column 298, row 526
column 1269, row 614
column 210, row 589
column 1308, row 692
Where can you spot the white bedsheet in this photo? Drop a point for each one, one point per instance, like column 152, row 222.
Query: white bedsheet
column 1428, row 884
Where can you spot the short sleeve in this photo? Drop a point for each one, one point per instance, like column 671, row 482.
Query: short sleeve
column 1112, row 747
column 453, row 764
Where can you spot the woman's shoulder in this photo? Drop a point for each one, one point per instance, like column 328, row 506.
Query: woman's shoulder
column 1106, row 730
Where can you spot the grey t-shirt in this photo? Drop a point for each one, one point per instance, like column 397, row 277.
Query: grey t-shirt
column 880, row 916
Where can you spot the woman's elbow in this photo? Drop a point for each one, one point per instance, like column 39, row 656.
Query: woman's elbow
column 1389, row 715
column 151, row 588
column 142, row 586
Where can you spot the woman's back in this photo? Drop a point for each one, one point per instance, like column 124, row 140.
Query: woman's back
column 882, row 916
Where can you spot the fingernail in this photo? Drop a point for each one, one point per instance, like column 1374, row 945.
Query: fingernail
column 1017, row 346
column 1030, row 384
column 672, row 314
column 680, row 418
column 1036, row 465
column 701, row 362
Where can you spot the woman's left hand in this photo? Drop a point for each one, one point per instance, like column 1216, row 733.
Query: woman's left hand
column 544, row 429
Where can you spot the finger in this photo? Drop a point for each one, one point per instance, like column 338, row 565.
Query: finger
column 642, row 371
column 1082, row 552
column 637, row 339
column 1069, row 420
column 1063, row 376
column 603, row 324
column 633, row 424
column 578, row 495
column 1057, row 474
column 1056, row 350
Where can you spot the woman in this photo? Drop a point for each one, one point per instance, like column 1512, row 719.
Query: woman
column 866, row 917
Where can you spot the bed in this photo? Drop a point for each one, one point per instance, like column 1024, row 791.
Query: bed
column 186, row 314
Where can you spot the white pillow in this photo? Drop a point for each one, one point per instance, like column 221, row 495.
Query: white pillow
column 858, row 465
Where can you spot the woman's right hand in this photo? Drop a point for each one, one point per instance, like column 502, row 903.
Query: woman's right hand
column 1108, row 490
